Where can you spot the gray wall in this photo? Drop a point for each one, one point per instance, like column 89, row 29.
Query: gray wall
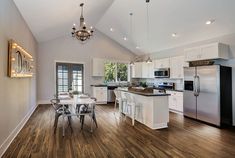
column 17, row 96
column 67, row 49
column 227, row 39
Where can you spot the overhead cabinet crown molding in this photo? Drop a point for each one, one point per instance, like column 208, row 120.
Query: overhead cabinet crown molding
column 207, row 52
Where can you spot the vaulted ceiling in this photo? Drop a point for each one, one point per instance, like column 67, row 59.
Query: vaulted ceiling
column 49, row 19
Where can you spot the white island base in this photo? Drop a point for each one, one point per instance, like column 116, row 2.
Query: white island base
column 154, row 112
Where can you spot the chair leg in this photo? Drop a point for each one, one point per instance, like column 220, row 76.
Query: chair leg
column 56, row 121
column 82, row 117
column 94, row 119
column 133, row 115
column 115, row 106
column 70, row 123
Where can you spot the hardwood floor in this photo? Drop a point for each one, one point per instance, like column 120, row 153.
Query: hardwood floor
column 117, row 138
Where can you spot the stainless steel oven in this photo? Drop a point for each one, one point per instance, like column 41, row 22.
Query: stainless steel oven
column 162, row 73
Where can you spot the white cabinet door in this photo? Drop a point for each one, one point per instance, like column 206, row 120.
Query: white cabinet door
column 100, row 93
column 207, row 52
column 151, row 70
column 98, row 67
column 177, row 67
column 175, row 101
column 162, row 63
column 192, row 54
column 145, row 70
column 137, row 70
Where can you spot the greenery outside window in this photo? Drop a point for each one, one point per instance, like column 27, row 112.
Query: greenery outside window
column 116, row 72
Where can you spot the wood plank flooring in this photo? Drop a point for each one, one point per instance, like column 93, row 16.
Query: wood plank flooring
column 115, row 137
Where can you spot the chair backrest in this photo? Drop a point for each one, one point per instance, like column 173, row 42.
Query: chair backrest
column 129, row 98
column 117, row 94
column 55, row 103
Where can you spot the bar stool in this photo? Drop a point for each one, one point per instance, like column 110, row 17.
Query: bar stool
column 133, row 107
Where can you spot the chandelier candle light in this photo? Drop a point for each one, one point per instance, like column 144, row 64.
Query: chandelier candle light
column 83, row 33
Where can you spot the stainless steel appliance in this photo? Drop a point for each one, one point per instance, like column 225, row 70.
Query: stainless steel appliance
column 162, row 73
column 208, row 94
column 111, row 95
column 166, row 85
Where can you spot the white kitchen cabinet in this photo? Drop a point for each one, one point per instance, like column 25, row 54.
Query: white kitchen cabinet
column 143, row 70
column 137, row 70
column 100, row 93
column 162, row 63
column 175, row 101
column 177, row 65
column 98, row 67
column 147, row 70
column 207, row 52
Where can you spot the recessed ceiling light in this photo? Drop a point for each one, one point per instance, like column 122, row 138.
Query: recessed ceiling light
column 210, row 22
column 111, row 29
column 125, row 39
column 173, row 34
column 137, row 47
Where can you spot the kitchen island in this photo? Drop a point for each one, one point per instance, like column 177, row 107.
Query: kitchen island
column 154, row 111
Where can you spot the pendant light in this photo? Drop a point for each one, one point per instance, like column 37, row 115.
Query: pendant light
column 149, row 60
column 130, row 35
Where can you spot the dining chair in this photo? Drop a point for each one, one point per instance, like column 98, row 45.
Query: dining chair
column 117, row 98
column 132, row 107
column 84, row 109
column 59, row 109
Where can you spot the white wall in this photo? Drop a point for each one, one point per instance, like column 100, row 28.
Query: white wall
column 227, row 39
column 17, row 96
column 71, row 50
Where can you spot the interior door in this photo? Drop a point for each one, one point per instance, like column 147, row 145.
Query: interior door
column 189, row 101
column 69, row 77
column 208, row 100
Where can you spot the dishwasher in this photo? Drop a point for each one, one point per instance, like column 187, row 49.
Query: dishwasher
column 111, row 95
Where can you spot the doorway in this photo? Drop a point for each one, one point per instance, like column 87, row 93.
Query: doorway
column 69, row 77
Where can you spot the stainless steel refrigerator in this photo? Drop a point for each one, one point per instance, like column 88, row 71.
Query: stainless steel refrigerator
column 208, row 94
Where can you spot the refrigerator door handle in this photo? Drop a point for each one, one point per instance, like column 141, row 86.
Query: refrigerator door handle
column 194, row 86
column 198, row 85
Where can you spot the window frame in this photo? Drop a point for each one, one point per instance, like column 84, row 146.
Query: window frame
column 116, row 72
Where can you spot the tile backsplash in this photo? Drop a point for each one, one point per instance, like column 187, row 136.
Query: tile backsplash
column 179, row 83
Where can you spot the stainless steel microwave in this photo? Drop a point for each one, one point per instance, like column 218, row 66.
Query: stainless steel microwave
column 162, row 73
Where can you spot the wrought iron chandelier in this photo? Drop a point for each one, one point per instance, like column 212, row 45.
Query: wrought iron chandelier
column 82, row 33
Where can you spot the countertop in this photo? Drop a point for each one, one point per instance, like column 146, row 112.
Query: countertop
column 144, row 93
column 105, row 85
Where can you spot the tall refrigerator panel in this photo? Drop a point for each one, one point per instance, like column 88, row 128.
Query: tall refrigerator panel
column 208, row 98
column 190, row 100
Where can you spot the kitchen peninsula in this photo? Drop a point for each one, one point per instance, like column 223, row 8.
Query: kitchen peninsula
column 154, row 111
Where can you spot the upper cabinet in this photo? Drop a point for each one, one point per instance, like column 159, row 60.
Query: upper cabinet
column 147, row 70
column 162, row 63
column 177, row 65
column 98, row 67
column 207, row 52
column 137, row 70
column 143, row 70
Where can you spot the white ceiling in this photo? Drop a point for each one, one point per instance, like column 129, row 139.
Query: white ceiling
column 49, row 19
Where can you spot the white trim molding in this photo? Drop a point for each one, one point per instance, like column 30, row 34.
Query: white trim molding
column 4, row 146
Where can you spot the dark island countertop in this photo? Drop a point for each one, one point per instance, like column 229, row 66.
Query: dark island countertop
column 147, row 94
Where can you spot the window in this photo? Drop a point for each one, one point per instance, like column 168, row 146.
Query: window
column 69, row 77
column 116, row 72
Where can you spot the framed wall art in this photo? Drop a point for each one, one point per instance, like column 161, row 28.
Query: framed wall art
column 20, row 62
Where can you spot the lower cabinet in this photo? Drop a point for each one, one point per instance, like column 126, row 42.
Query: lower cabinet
column 175, row 101
column 100, row 93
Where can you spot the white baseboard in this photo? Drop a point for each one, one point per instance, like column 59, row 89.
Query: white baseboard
column 43, row 102
column 15, row 132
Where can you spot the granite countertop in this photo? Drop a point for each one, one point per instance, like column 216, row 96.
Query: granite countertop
column 147, row 94
column 175, row 90
column 99, row 85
